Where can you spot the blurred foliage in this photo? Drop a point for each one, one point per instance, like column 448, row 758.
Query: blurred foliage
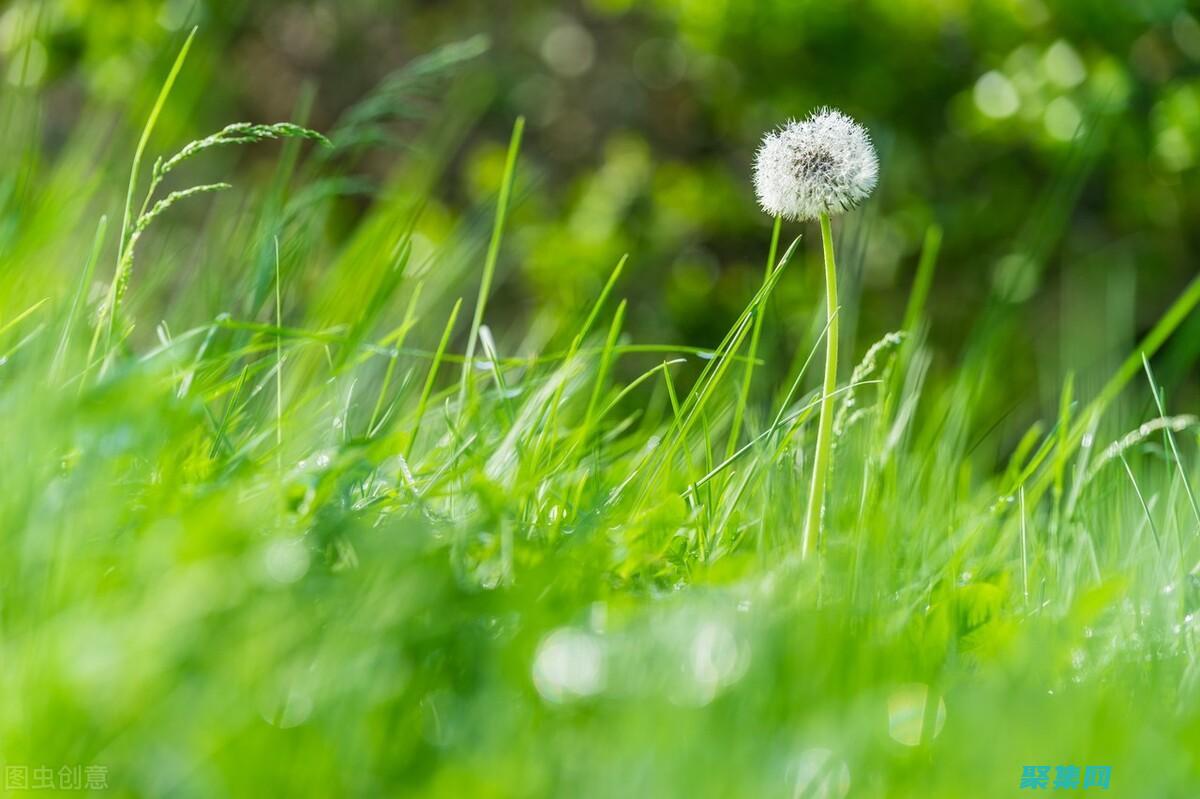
column 644, row 116
column 1054, row 143
column 249, row 560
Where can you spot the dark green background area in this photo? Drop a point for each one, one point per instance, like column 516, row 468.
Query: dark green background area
column 1054, row 142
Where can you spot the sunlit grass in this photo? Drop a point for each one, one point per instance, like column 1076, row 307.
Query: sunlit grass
column 299, row 527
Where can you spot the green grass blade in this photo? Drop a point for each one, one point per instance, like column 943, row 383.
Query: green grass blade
column 748, row 375
column 110, row 309
column 427, row 390
column 77, row 302
column 493, row 254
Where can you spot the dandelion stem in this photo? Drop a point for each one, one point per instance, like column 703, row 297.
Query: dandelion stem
column 816, row 498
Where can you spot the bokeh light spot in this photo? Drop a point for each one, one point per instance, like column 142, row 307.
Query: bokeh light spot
column 1062, row 119
column 286, row 560
column 819, row 774
column 906, row 714
column 569, row 49
column 996, row 96
column 1063, row 65
column 569, row 664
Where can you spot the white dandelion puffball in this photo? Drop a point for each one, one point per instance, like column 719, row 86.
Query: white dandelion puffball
column 823, row 164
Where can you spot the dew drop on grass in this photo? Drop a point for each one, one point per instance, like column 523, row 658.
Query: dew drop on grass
column 503, row 627
column 489, row 574
column 569, row 665
column 819, row 774
column 906, row 714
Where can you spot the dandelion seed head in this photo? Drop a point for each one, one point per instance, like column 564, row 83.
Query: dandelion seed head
column 822, row 164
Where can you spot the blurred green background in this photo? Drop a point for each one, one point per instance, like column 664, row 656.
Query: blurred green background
column 1054, row 142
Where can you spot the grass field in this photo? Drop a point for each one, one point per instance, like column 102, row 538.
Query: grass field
column 284, row 512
